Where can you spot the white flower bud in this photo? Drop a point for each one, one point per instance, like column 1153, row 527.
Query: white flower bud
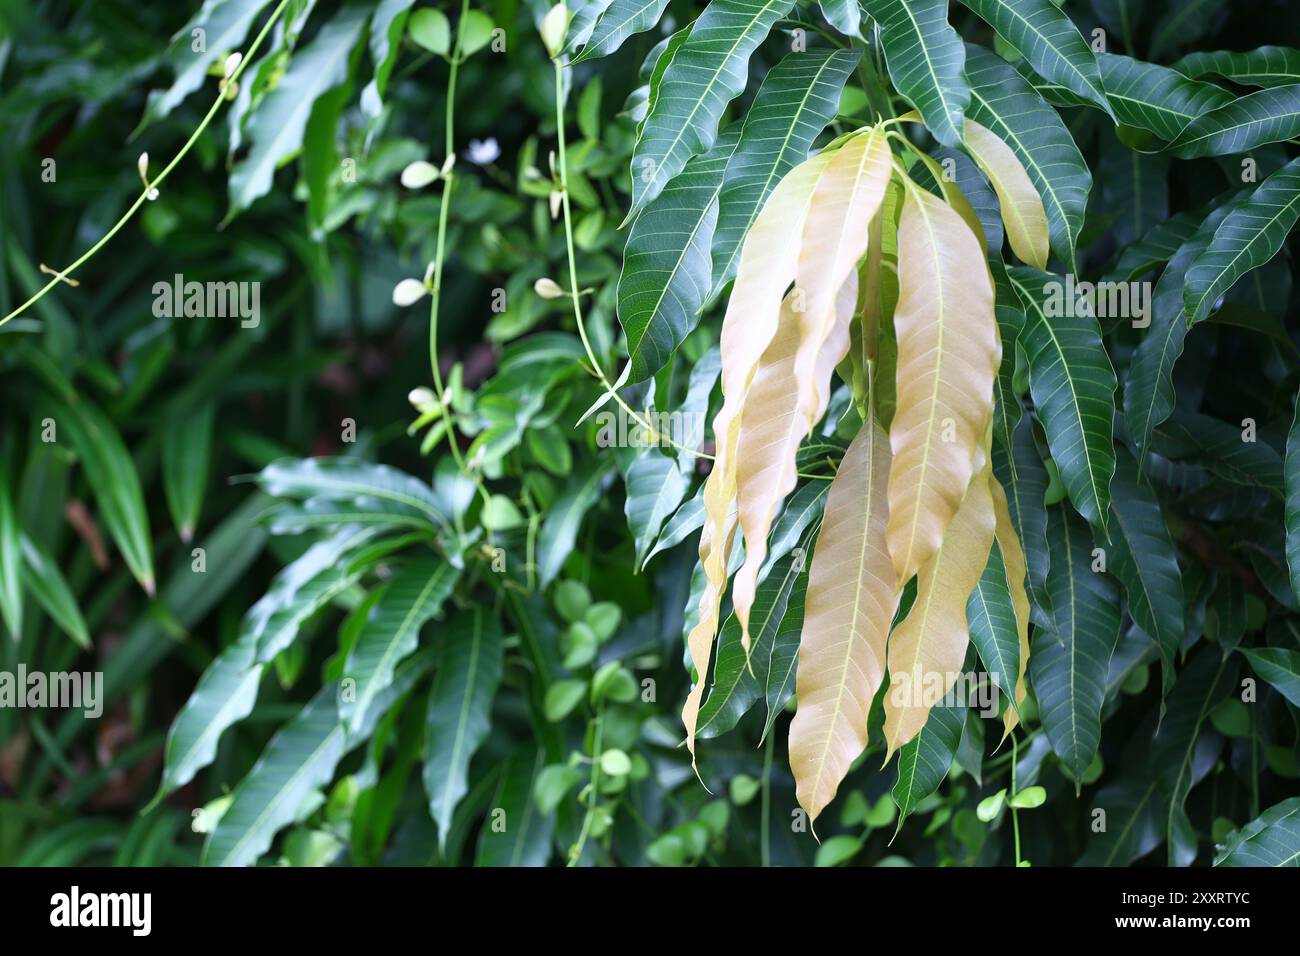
column 548, row 288
column 553, row 28
column 419, row 174
column 408, row 292
column 232, row 64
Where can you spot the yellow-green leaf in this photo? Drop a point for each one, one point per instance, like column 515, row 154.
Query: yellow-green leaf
column 1022, row 207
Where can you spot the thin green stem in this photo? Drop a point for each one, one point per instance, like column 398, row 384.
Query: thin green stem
column 575, row 855
column 150, row 186
column 765, row 835
column 1015, row 820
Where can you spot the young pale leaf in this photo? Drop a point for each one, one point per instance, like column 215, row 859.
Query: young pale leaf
column 1266, row 66
column 925, row 58
column 1003, row 100
column 112, row 478
column 187, row 447
column 459, row 710
column 948, row 355
column 1070, row 659
column 1265, row 116
column 1049, row 41
column 1249, row 236
column 1155, row 98
column 667, row 261
column 391, row 634
column 708, row 72
column 927, row 650
column 796, row 100
column 1073, row 385
column 850, row 603
column 276, row 127
column 1021, row 206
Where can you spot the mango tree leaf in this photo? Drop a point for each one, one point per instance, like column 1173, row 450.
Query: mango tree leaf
column 796, row 100
column 1265, row 66
column 1136, row 186
column 1265, row 116
column 843, row 15
column 926, row 759
column 1292, row 512
column 656, row 486
column 391, row 633
column 275, row 130
column 620, row 20
column 524, row 838
column 1280, row 667
column 925, row 58
column 1049, row 41
column 1185, row 22
column 993, row 629
column 1023, row 476
column 460, row 705
column 1073, row 385
column 560, row 529
column 667, row 261
column 1002, row 100
column 1155, row 98
column 356, row 481
column 11, row 561
column 708, row 71
column 1249, row 236
column 1271, row 839
column 1070, row 659
column 386, row 30
column 112, row 478
column 1222, row 449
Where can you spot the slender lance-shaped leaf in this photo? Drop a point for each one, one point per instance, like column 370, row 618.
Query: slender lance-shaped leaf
column 560, row 529
column 926, row 59
column 111, row 476
column 460, row 705
column 1073, row 385
column 1070, row 659
column 1271, row 839
column 582, row 21
column 708, row 72
column 276, row 128
column 1003, row 100
column 850, row 603
column 301, row 758
column 1155, row 98
column 685, row 521
column 224, row 24
column 1219, row 447
column 1266, row 116
column 667, row 261
column 739, row 677
column 993, row 626
column 927, row 650
column 622, row 19
column 11, row 561
column 1280, row 667
column 391, row 633
column 41, row 576
column 1016, row 568
column 1292, row 512
column 1266, row 66
column 948, row 356
column 1047, row 38
column 187, row 447
column 1248, row 237
column 1021, row 206
column 525, row 840
column 767, row 267
column 1141, row 554
column 1022, row 475
column 798, row 97
column 926, row 759
column 656, row 486
column 348, row 479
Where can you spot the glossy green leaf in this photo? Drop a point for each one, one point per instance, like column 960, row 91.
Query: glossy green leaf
column 353, row 480
column 1265, row 66
column 42, row 577
column 1070, row 659
column 459, row 710
column 186, row 451
column 1155, row 98
column 517, row 832
column 1047, row 38
column 656, row 485
column 11, row 561
column 925, row 760
column 708, row 71
column 1265, row 116
column 992, row 620
column 926, row 59
column 1279, row 666
column 620, row 20
column 1073, row 385
column 1271, row 839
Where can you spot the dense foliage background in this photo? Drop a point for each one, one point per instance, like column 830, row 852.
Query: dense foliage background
column 508, row 593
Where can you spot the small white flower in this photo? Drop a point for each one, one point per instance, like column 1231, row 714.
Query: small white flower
column 421, row 397
column 408, row 292
column 419, row 174
column 484, row 151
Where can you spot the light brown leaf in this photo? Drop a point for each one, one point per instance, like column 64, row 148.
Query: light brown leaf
column 850, row 604
column 928, row 649
column 948, row 355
